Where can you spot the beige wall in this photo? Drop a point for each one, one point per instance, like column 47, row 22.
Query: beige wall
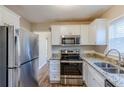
column 114, row 12
column 46, row 26
column 25, row 24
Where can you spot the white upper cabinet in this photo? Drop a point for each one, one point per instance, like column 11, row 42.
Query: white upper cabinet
column 90, row 34
column 56, row 36
column 98, row 32
column 59, row 30
column 84, row 34
column 70, row 29
column 9, row 18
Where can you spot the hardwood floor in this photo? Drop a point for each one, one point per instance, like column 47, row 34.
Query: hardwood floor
column 44, row 79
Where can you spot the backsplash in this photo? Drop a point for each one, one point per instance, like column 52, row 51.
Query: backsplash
column 82, row 48
column 57, row 49
column 100, row 48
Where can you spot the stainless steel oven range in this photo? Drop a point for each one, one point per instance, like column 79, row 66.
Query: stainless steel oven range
column 71, row 67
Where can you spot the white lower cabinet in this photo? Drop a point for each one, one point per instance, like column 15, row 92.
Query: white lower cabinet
column 91, row 77
column 54, row 71
column 85, row 74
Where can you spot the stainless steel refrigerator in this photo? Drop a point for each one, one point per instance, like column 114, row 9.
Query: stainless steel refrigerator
column 18, row 57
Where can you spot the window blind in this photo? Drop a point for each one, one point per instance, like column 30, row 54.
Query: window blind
column 116, row 35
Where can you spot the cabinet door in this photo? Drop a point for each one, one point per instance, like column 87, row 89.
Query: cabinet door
column 85, row 72
column 56, row 36
column 54, row 77
column 70, row 30
column 92, row 81
column 84, row 34
column 94, row 78
column 98, row 32
column 92, row 34
column 101, row 32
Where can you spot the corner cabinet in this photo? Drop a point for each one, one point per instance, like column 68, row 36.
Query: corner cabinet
column 98, row 32
column 54, row 71
column 92, row 77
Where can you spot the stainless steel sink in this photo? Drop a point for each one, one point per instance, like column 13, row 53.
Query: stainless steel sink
column 114, row 70
column 109, row 68
column 104, row 65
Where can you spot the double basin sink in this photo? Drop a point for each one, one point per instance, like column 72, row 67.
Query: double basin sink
column 109, row 68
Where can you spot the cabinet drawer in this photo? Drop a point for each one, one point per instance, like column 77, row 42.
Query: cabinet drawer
column 55, row 76
column 54, row 63
column 54, row 69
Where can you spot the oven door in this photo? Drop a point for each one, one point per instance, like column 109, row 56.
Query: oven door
column 71, row 73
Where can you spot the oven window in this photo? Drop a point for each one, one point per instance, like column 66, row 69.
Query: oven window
column 71, row 68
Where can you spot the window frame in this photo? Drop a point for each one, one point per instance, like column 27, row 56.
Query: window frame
column 108, row 36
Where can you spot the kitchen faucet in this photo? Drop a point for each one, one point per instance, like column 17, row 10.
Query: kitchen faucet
column 119, row 55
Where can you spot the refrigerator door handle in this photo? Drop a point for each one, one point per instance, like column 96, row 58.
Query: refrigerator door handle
column 15, row 67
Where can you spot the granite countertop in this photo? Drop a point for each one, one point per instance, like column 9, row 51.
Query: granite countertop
column 116, row 79
column 55, row 57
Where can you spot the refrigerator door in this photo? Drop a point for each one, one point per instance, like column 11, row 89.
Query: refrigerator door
column 28, row 46
column 3, row 57
column 13, row 47
column 25, row 50
column 13, row 57
column 34, row 45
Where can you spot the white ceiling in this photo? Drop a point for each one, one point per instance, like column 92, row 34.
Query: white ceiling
column 43, row 13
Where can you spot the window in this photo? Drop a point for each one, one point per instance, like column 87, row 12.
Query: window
column 116, row 35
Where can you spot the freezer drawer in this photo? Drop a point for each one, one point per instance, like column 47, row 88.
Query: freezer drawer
column 13, row 77
column 3, row 77
column 35, row 70
column 26, row 79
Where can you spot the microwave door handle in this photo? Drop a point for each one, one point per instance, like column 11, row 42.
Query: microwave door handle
column 74, row 41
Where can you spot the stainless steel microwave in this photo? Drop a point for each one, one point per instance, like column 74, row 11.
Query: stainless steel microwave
column 70, row 40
